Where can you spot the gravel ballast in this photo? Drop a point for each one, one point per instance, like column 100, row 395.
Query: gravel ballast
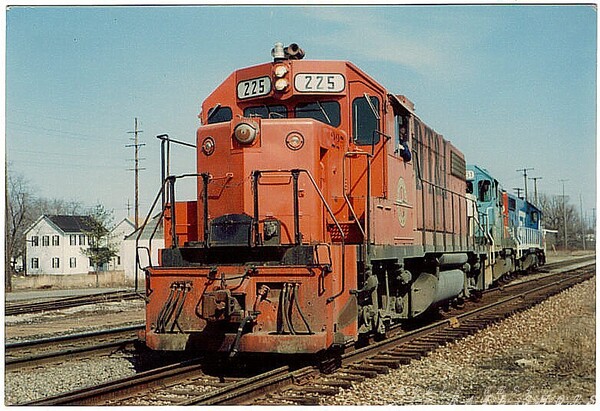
column 545, row 355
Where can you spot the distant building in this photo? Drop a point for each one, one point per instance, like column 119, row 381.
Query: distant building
column 54, row 244
column 150, row 241
column 117, row 237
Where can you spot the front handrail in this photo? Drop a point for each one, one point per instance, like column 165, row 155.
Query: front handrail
column 297, row 171
column 168, row 182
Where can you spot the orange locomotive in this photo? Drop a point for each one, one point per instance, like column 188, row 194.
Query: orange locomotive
column 326, row 211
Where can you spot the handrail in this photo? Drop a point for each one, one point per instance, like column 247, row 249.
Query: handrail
column 168, row 181
column 329, row 210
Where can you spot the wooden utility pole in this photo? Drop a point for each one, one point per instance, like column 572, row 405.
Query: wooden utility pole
column 564, row 210
column 136, row 169
column 535, row 179
column 583, row 230
column 524, row 170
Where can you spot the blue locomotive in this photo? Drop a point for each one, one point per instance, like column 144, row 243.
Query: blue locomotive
column 511, row 226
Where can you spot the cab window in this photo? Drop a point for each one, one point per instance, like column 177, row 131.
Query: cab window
column 219, row 114
column 401, row 129
column 485, row 194
column 365, row 121
column 266, row 111
column 327, row 112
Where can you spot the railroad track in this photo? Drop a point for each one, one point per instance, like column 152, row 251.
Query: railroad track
column 35, row 352
column 68, row 302
column 187, row 384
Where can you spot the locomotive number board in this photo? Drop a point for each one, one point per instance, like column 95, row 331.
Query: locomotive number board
column 255, row 87
column 319, row 82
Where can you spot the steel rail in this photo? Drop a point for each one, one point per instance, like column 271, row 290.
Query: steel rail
column 439, row 325
column 248, row 390
column 68, row 302
column 117, row 389
column 13, row 359
column 379, row 357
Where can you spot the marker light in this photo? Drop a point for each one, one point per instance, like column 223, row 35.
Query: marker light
column 281, row 84
column 208, row 146
column 280, row 71
column 245, row 133
column 294, row 141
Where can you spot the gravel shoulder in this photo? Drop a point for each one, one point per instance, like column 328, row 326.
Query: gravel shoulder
column 73, row 320
column 545, row 355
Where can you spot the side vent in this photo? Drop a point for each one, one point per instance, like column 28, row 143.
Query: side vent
column 458, row 166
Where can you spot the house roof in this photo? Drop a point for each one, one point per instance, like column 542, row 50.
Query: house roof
column 149, row 230
column 71, row 223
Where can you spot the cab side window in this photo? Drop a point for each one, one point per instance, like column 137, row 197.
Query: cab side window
column 485, row 194
column 365, row 122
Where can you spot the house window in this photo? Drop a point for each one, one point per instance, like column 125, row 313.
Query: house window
column 45, row 241
column 73, row 239
column 56, row 262
column 55, row 240
column 73, row 262
column 81, row 239
column 91, row 263
column 35, row 241
column 35, row 263
column 118, row 260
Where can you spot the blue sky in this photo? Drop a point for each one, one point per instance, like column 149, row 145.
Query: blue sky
column 512, row 86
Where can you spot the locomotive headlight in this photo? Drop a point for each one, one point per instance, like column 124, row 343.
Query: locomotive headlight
column 280, row 71
column 281, row 84
column 208, row 146
column 294, row 141
column 245, row 133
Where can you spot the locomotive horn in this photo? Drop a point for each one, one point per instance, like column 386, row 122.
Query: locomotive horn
column 294, row 52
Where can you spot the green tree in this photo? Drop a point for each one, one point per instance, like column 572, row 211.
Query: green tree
column 100, row 248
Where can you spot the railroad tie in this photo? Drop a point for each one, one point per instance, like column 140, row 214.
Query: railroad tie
column 363, row 373
column 300, row 400
column 441, row 339
column 386, row 362
column 319, row 390
column 348, row 377
column 414, row 354
column 337, row 383
column 380, row 369
column 397, row 356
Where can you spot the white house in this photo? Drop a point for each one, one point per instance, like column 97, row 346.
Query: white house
column 117, row 237
column 54, row 244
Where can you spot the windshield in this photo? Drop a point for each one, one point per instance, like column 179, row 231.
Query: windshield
column 265, row 111
column 327, row 112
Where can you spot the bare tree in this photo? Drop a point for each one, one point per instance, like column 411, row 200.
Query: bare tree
column 554, row 209
column 22, row 209
column 19, row 198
